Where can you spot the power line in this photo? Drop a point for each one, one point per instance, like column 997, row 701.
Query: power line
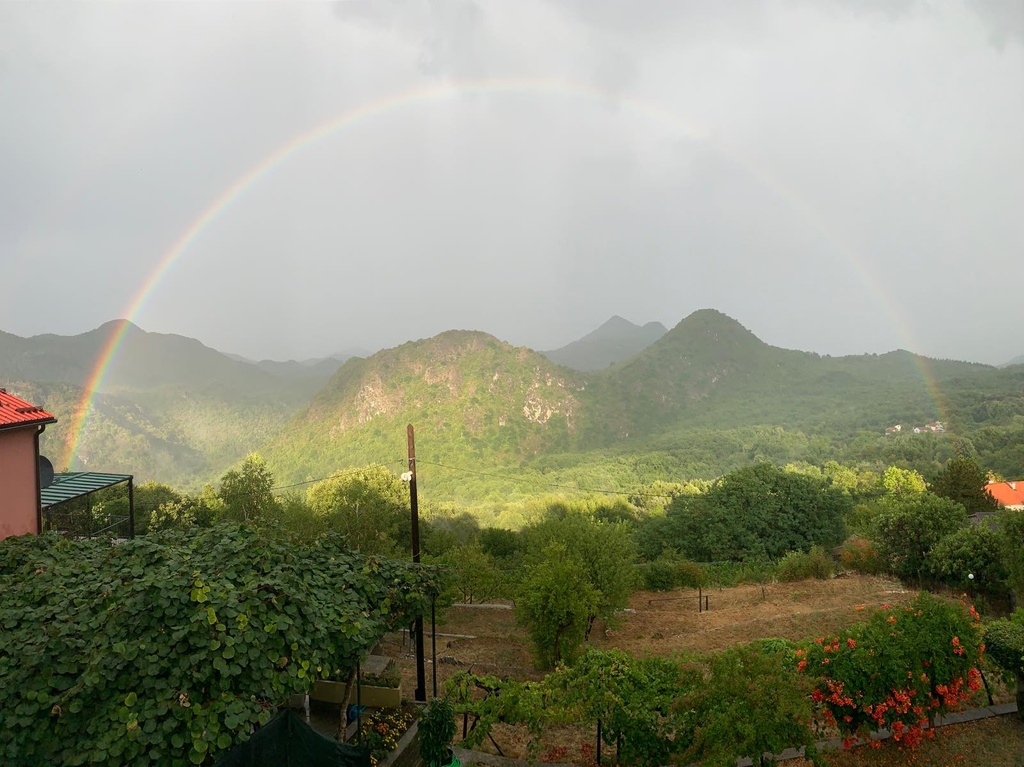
column 337, row 474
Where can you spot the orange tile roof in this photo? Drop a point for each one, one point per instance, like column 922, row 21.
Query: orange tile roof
column 1007, row 493
column 15, row 412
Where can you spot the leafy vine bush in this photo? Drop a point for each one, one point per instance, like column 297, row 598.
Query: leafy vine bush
column 631, row 697
column 712, row 708
column 169, row 649
column 897, row 670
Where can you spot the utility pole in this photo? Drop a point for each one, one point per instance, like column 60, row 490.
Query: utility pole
column 421, row 676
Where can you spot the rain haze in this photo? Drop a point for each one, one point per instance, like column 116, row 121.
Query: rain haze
column 288, row 180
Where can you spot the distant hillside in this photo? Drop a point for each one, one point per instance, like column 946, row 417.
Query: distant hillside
column 145, row 361
column 169, row 408
column 469, row 394
column 616, row 340
column 711, row 372
column 705, row 397
column 1015, row 361
column 477, row 401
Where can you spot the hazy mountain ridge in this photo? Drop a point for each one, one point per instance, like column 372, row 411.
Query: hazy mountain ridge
column 169, row 407
column 616, row 340
column 146, row 361
column 708, row 372
column 478, row 401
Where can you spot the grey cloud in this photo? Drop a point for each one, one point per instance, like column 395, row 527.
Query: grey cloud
column 445, row 30
column 858, row 189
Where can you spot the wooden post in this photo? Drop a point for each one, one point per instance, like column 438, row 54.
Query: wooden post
column 433, row 642
column 131, row 507
column 421, row 681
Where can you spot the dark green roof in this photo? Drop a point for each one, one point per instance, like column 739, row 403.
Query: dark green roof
column 69, row 485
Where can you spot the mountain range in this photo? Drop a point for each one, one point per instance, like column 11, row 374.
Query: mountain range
column 616, row 340
column 637, row 403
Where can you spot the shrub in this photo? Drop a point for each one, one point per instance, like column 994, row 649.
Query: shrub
column 897, row 670
column 862, row 556
column 801, row 565
column 1005, row 643
column 659, row 575
column 749, row 702
column 689, row 574
column 436, row 730
column 969, row 551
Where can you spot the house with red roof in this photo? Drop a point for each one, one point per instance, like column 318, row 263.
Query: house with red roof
column 21, row 423
column 1009, row 494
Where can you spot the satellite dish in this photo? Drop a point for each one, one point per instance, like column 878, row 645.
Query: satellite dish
column 45, row 472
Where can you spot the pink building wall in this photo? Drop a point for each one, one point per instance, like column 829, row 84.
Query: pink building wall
column 19, row 496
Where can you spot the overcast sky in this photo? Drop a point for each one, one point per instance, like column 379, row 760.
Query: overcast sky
column 841, row 177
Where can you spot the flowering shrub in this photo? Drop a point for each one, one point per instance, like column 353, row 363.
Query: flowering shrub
column 897, row 670
column 381, row 731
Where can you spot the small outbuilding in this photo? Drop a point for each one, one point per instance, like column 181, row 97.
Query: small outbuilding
column 21, row 423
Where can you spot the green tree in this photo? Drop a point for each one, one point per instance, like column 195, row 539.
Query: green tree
column 912, row 527
column 760, row 511
column 1011, row 549
column 556, row 601
column 186, row 511
column 474, row 576
column 969, row 551
column 963, row 481
column 903, row 482
column 247, row 492
column 751, row 702
column 604, row 550
column 1004, row 642
column 369, row 506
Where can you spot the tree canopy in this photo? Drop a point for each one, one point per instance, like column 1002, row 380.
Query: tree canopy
column 964, row 482
column 369, row 506
column 760, row 511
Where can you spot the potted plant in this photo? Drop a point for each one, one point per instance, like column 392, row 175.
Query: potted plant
column 436, row 730
column 382, row 689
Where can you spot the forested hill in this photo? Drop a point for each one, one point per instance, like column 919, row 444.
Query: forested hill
column 170, row 408
column 703, row 398
column 147, row 361
column 470, row 395
column 478, row 401
column 616, row 340
column 709, row 371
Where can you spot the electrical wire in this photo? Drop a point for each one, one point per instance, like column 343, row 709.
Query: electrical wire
column 343, row 473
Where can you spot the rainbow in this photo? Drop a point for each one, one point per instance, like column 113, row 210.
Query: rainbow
column 428, row 95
